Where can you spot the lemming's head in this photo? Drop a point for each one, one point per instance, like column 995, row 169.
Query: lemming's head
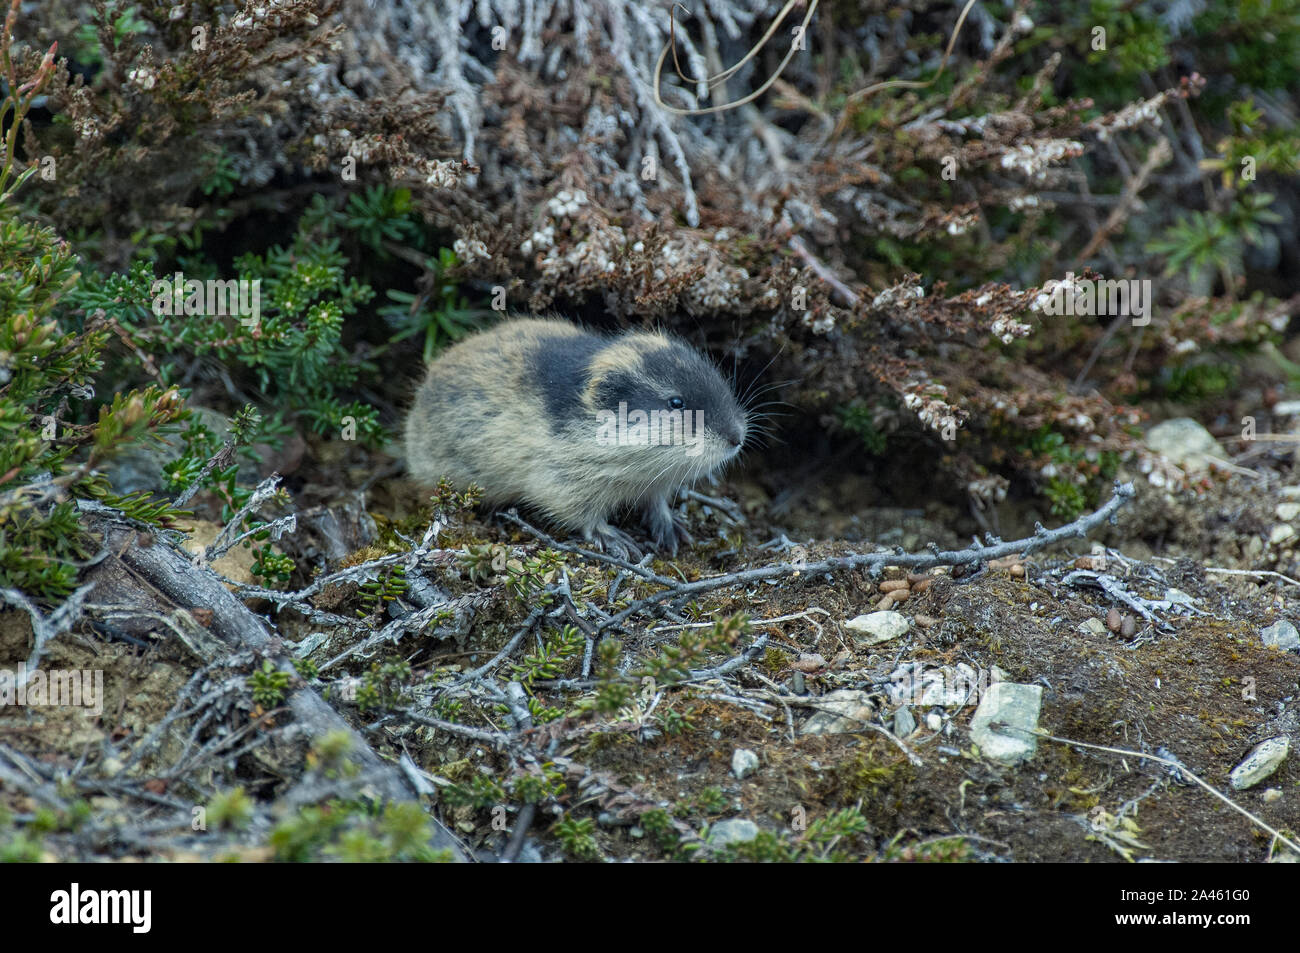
column 663, row 405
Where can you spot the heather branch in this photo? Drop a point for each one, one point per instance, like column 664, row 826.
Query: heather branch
column 702, row 110
column 45, row 627
column 853, row 98
column 874, row 562
column 498, row 739
column 20, row 96
column 364, row 572
column 263, row 492
column 552, row 543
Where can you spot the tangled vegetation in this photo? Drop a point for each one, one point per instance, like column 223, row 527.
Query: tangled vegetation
column 874, row 233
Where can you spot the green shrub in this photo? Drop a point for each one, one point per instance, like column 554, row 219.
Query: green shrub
column 46, row 371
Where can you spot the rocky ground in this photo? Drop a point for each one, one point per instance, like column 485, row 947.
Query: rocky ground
column 1044, row 706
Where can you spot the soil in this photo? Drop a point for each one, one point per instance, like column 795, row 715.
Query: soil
column 1193, row 684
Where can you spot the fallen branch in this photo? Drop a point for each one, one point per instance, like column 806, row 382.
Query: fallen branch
column 875, row 562
column 174, row 577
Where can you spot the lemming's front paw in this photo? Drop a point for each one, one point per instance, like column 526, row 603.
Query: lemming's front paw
column 615, row 542
column 667, row 528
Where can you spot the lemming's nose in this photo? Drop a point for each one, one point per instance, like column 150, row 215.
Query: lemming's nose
column 736, row 435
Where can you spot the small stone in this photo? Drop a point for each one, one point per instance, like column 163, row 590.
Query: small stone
column 1280, row 534
column 1265, row 758
column 1114, row 620
column 1093, row 626
column 310, row 644
column 1286, row 408
column 878, row 627
column 1184, row 442
column 904, row 722
column 743, row 763
column 1282, row 634
column 1015, row 706
column 736, row 830
column 809, row 663
column 1272, row 795
column 1179, row 598
column 840, row 711
column 1288, row 511
column 934, row 721
column 1289, row 492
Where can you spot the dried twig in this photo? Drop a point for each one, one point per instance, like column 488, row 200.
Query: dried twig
column 874, row 562
column 45, row 627
column 1168, row 762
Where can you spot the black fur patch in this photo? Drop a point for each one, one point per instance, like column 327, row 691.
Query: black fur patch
column 559, row 368
column 690, row 376
column 561, row 374
column 624, row 387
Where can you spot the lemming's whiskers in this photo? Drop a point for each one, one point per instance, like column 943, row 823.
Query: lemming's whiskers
column 652, row 481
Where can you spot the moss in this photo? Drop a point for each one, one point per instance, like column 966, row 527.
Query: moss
column 868, row 775
column 775, row 660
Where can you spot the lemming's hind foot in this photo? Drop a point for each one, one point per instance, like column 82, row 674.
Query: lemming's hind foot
column 615, row 542
column 667, row 528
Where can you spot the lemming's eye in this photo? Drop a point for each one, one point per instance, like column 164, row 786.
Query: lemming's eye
column 676, row 403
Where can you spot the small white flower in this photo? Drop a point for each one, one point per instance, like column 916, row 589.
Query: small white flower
column 142, row 77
